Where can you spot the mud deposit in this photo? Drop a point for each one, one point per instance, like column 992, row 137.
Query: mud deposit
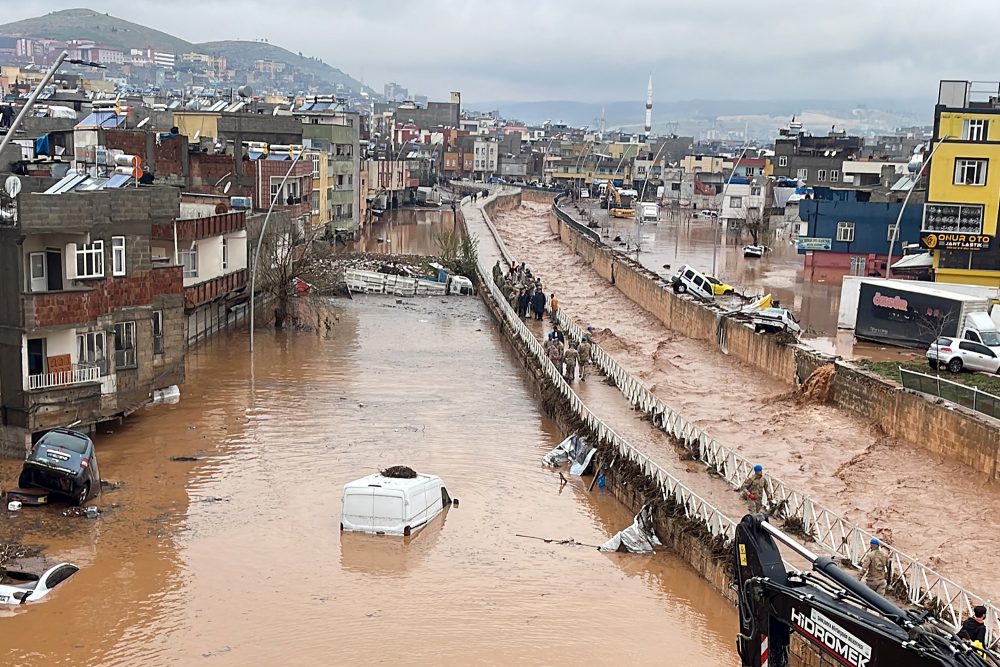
column 231, row 555
column 920, row 503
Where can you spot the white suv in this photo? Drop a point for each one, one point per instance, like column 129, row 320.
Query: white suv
column 958, row 353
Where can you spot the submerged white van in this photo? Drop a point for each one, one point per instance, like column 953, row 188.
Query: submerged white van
column 392, row 505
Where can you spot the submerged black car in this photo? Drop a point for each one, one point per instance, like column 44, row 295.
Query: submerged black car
column 63, row 462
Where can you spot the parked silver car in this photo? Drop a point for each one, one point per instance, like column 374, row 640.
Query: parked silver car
column 956, row 354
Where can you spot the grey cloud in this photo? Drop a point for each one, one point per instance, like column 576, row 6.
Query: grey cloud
column 593, row 50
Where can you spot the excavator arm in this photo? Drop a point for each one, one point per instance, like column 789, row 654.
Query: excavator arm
column 827, row 607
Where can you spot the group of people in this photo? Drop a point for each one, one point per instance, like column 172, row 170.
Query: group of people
column 523, row 291
column 567, row 359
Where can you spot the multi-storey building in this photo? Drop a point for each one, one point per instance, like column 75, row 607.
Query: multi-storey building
column 89, row 325
column 814, row 160
column 211, row 249
column 963, row 193
column 328, row 125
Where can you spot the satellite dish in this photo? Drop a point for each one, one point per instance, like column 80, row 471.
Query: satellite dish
column 197, row 135
column 244, row 91
column 12, row 185
column 225, row 189
column 143, row 122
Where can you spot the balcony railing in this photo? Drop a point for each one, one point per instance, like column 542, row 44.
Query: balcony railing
column 75, row 375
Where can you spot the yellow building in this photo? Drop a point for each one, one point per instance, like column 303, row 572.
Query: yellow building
column 321, row 199
column 963, row 193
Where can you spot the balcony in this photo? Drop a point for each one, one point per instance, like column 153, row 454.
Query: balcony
column 76, row 374
column 196, row 229
column 213, row 288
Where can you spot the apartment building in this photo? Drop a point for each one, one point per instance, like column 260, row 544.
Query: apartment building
column 89, row 325
column 963, row 194
column 212, row 250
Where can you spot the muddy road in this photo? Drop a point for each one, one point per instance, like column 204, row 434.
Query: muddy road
column 902, row 492
column 236, row 558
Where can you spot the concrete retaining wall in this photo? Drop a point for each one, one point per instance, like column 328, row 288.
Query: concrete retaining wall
column 941, row 427
column 708, row 556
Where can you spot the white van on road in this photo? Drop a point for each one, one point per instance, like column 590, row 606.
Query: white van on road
column 392, row 505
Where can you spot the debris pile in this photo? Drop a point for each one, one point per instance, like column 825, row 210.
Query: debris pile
column 399, row 472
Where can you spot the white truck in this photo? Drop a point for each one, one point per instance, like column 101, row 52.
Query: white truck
column 648, row 212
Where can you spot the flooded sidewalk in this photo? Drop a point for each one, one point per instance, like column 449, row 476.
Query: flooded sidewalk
column 235, row 558
column 900, row 491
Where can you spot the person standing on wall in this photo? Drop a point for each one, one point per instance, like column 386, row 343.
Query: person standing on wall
column 875, row 568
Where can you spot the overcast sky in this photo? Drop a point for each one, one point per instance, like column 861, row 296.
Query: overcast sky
column 603, row 50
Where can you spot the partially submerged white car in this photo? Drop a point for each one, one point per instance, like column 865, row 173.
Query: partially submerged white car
column 392, row 505
column 773, row 320
column 21, row 587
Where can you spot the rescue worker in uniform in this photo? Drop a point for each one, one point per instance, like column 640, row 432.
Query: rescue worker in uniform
column 875, row 568
column 584, row 351
column 753, row 490
column 570, row 358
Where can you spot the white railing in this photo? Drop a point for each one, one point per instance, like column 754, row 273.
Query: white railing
column 75, row 375
column 828, row 529
column 695, row 507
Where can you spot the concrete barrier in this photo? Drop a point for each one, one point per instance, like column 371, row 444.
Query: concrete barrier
column 941, row 427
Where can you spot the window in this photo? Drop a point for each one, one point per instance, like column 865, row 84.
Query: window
column 125, row 345
column 821, row 175
column 735, row 202
column 976, row 129
column 892, row 234
column 845, row 232
column 90, row 350
column 782, row 160
column 118, row 255
column 803, row 174
column 90, row 260
column 189, row 260
column 225, row 248
column 755, row 191
column 157, row 332
column 834, row 175
column 970, row 172
column 315, row 161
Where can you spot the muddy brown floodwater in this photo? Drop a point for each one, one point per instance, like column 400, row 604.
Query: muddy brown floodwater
column 905, row 494
column 236, row 558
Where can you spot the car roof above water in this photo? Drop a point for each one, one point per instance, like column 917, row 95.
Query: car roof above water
column 394, row 483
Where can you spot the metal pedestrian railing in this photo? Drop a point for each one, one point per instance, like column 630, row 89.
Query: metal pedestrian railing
column 964, row 395
column 826, row 528
column 695, row 507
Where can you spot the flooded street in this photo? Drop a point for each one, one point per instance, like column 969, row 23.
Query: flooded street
column 680, row 239
column 841, row 460
column 236, row 558
column 405, row 232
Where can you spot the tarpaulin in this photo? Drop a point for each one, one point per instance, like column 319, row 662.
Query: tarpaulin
column 638, row 538
column 573, row 449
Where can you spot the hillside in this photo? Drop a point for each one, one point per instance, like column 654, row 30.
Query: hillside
column 246, row 53
column 112, row 31
column 97, row 26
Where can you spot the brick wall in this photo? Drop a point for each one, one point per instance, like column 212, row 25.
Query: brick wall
column 68, row 308
column 167, row 159
column 83, row 211
column 195, row 229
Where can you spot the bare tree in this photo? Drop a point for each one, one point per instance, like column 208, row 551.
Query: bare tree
column 933, row 325
column 288, row 250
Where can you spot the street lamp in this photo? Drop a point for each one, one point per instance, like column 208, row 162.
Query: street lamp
column 63, row 57
column 906, row 199
column 718, row 220
column 260, row 240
